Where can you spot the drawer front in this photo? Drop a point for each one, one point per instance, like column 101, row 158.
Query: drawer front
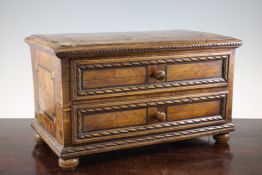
column 111, row 79
column 198, row 70
column 193, row 110
column 115, row 119
column 105, row 122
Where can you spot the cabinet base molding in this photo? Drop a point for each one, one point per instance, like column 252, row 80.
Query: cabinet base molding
column 67, row 155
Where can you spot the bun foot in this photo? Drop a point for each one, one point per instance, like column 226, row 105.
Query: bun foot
column 222, row 138
column 38, row 139
column 68, row 164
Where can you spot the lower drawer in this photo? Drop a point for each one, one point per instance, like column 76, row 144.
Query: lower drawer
column 111, row 121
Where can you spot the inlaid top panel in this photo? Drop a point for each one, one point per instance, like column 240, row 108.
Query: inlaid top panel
column 85, row 44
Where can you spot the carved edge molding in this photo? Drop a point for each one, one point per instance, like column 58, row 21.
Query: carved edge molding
column 63, row 53
column 153, row 103
column 151, row 127
column 146, row 140
column 84, row 111
column 124, row 89
column 151, row 87
column 150, row 62
column 47, row 137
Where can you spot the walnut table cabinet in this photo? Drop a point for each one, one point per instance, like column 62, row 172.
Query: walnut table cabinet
column 103, row 92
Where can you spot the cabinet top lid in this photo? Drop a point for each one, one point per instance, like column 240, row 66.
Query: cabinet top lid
column 86, row 44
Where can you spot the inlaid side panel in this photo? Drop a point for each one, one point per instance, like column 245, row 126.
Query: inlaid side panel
column 114, row 119
column 113, row 77
column 48, row 95
column 193, row 110
column 46, row 91
column 209, row 69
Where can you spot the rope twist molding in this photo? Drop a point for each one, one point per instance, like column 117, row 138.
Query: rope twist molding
column 150, row 62
column 150, row 127
column 151, row 87
column 153, row 103
column 144, row 139
column 61, row 53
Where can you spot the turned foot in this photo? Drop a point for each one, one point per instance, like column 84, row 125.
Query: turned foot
column 38, row 139
column 68, row 164
column 222, row 138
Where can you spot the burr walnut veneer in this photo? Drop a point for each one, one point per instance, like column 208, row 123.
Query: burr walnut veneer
column 103, row 92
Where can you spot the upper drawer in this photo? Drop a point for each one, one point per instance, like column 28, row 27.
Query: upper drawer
column 120, row 78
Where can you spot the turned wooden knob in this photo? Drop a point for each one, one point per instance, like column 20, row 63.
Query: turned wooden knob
column 159, row 74
column 160, row 116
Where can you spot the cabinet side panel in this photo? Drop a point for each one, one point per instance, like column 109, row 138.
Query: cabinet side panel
column 230, row 86
column 66, row 100
column 48, row 92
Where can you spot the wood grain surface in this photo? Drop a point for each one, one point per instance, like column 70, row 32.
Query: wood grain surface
column 114, row 120
column 193, row 110
column 113, row 77
column 211, row 69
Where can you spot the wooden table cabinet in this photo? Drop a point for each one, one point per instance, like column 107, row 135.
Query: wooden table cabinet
column 103, row 92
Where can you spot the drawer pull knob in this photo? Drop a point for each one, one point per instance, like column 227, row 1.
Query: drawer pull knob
column 159, row 74
column 160, row 116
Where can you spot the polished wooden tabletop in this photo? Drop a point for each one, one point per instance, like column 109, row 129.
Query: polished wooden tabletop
column 19, row 154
